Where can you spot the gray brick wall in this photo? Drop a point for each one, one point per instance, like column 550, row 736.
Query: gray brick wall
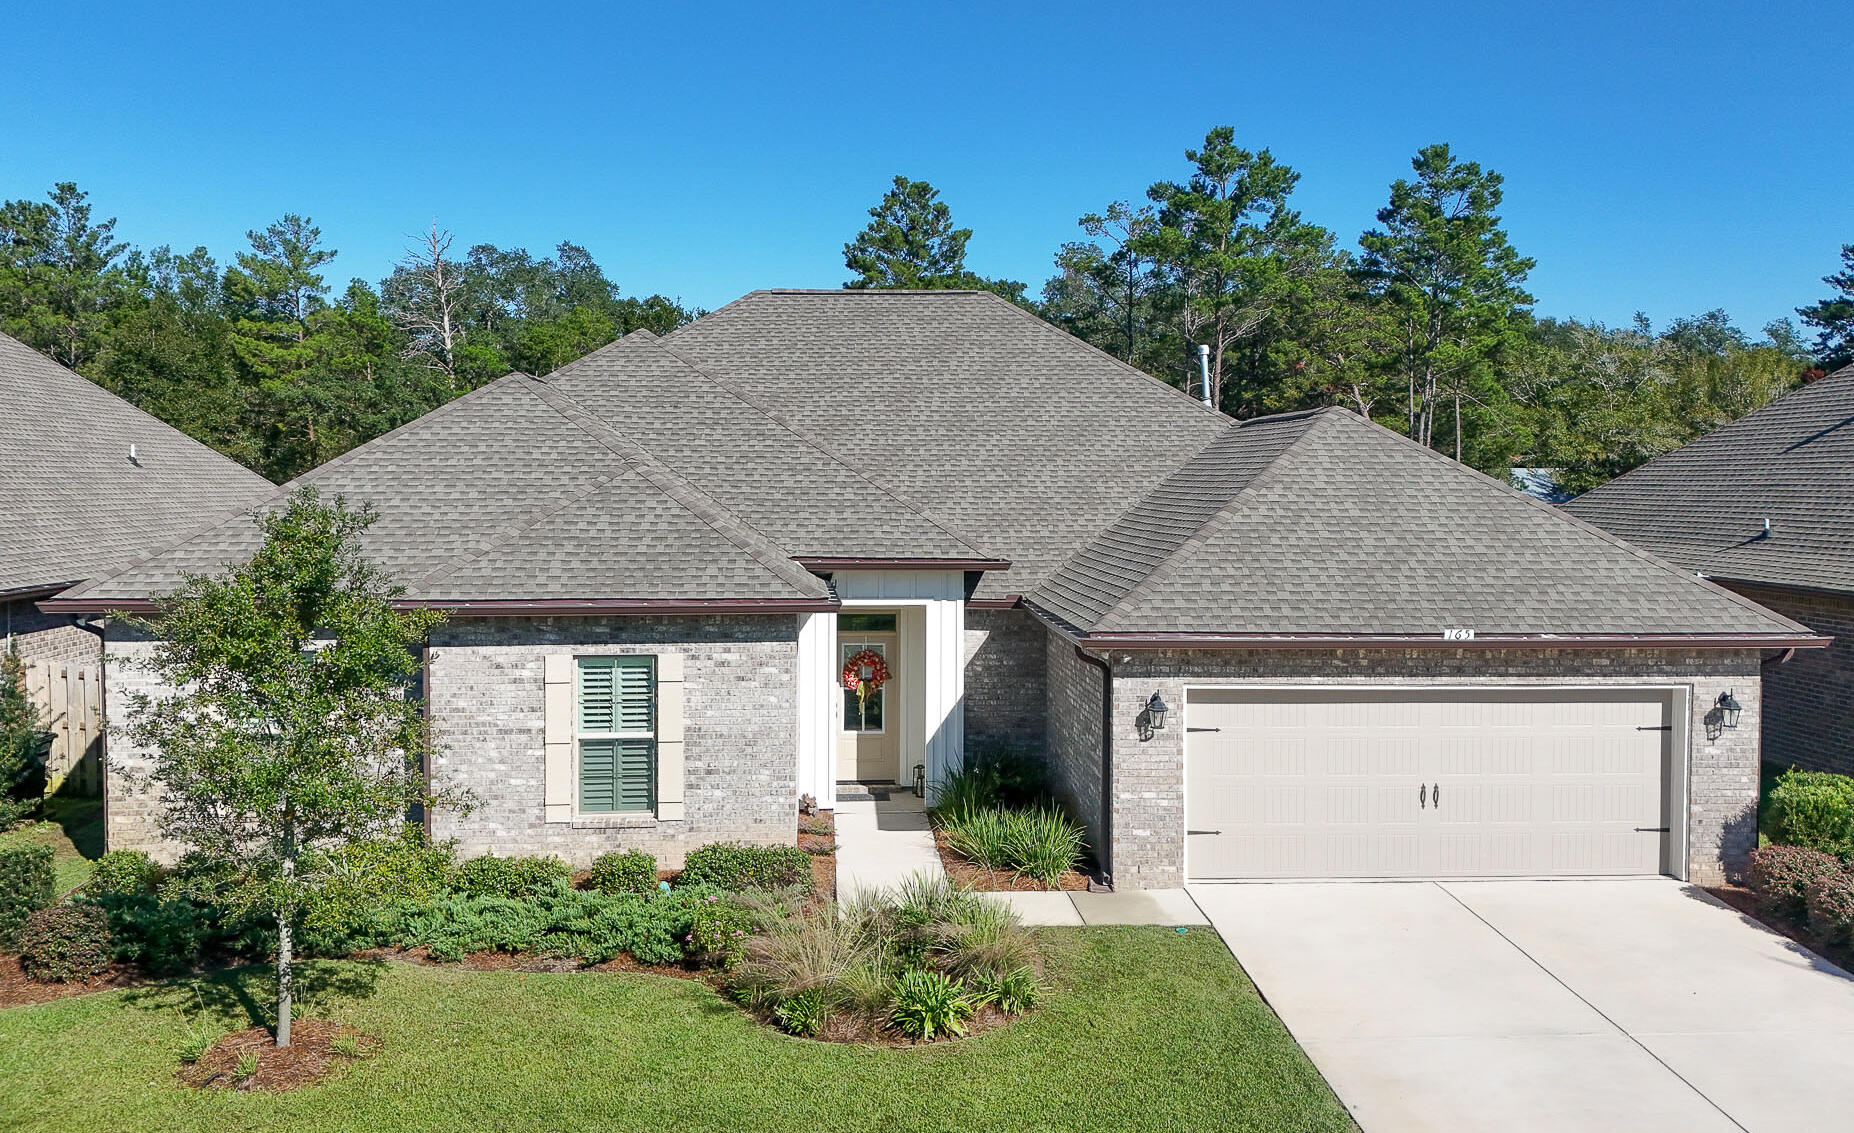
column 1005, row 681
column 740, row 732
column 484, row 683
column 1148, row 845
column 1074, row 714
column 44, row 637
column 1809, row 699
column 131, row 814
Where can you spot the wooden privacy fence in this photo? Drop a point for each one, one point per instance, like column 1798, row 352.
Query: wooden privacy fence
column 70, row 700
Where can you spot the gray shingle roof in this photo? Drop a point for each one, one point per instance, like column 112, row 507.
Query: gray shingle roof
column 72, row 504
column 1323, row 523
column 513, row 492
column 1014, row 434
column 1704, row 506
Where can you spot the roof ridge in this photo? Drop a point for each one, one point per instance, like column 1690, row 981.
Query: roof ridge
column 1170, row 565
column 874, row 479
column 1588, row 527
column 683, row 491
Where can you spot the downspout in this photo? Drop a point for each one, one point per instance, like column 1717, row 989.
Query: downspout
column 1105, row 851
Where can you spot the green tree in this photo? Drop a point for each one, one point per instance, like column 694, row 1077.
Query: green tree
column 22, row 744
column 288, row 731
column 910, row 242
column 58, row 274
column 1453, row 284
column 274, row 294
column 1229, row 247
column 1833, row 317
column 1108, row 290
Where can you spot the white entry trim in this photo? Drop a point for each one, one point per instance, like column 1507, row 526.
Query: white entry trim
column 1678, row 751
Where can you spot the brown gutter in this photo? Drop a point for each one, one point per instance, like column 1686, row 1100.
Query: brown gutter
column 1436, row 641
column 1008, row 602
column 824, row 562
column 513, row 607
column 20, row 593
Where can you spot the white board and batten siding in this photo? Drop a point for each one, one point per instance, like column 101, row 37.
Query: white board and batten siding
column 1483, row 782
column 934, row 601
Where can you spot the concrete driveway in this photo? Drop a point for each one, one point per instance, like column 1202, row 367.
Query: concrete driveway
column 1638, row 1005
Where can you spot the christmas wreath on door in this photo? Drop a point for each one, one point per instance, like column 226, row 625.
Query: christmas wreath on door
column 863, row 674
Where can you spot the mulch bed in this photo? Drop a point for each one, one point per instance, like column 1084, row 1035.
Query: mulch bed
column 308, row 1059
column 964, row 873
column 1746, row 902
column 18, row 989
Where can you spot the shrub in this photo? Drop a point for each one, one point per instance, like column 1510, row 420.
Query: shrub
column 993, row 777
column 1781, row 876
column 1038, row 842
column 491, row 876
column 22, row 745
column 929, row 1004
column 803, row 1014
column 124, row 873
column 736, row 867
column 717, row 933
column 1813, row 809
column 1013, row 992
column 1829, row 901
column 577, row 924
column 632, row 871
column 26, row 886
column 65, row 943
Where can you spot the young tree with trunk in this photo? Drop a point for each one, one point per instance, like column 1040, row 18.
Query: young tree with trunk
column 1442, row 265
column 59, row 274
column 424, row 298
column 1107, row 289
column 287, row 730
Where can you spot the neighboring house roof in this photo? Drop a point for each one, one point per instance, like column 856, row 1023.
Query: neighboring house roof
column 75, row 505
column 1015, row 434
column 1323, row 525
column 1704, row 506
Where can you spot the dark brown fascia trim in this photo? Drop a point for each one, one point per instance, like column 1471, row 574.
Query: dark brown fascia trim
column 515, row 607
column 1008, row 602
column 1731, row 583
column 1484, row 641
column 21, row 593
column 817, row 562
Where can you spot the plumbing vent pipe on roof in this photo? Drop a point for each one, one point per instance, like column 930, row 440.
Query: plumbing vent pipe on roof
column 1203, row 372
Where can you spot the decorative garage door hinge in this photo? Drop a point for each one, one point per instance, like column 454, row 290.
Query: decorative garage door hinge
column 1203, row 729
column 1654, row 728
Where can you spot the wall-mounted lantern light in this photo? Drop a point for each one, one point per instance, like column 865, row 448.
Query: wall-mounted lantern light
column 1152, row 718
column 1730, row 708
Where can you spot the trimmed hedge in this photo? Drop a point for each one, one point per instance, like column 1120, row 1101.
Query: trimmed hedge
column 632, row 871
column 65, row 943
column 124, row 873
column 1830, row 903
column 26, row 886
column 1781, row 876
column 736, row 866
column 1813, row 809
column 518, row 878
column 569, row 923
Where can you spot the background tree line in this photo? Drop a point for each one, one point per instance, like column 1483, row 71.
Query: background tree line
column 264, row 359
column 1424, row 325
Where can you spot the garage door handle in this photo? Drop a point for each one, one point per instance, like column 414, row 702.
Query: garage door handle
column 1203, row 832
column 1435, row 796
column 1422, row 796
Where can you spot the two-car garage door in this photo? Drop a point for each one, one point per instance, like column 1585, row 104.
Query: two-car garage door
column 1449, row 783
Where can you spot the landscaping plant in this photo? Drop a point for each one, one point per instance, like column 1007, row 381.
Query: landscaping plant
column 1781, row 876
column 517, row 878
column 1013, row 992
column 629, row 871
column 123, row 873
column 1037, row 842
column 737, row 867
column 1815, row 810
column 928, row 1004
column 22, row 745
column 803, row 1014
column 26, row 886
column 65, row 943
column 288, row 732
column 1829, row 901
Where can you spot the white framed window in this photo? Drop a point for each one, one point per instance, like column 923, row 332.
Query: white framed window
column 615, row 733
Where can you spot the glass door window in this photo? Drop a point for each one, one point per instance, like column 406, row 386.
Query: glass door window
column 863, row 713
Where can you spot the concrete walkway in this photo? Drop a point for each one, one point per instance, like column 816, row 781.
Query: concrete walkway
column 1640, row 1005
column 881, row 844
column 1149, row 906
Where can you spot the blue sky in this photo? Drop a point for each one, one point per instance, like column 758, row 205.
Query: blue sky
column 1663, row 157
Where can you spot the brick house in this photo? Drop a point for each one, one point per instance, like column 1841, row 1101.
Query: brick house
column 1765, row 506
column 88, row 484
column 1295, row 646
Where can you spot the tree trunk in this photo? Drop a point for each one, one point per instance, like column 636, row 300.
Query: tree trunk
column 285, row 956
column 1458, row 426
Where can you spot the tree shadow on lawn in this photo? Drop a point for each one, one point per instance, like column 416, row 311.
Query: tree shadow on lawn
column 250, row 992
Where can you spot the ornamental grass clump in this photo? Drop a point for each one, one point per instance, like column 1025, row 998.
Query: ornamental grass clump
column 1038, row 842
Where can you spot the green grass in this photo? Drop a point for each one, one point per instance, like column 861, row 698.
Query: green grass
column 1149, row 1029
column 73, row 828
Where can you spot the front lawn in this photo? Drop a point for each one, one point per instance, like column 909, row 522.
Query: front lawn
column 1150, row 1029
column 73, row 828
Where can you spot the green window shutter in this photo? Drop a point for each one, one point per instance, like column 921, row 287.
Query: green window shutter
column 617, row 694
column 617, row 775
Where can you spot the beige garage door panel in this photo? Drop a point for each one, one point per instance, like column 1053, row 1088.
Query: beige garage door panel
column 1448, row 784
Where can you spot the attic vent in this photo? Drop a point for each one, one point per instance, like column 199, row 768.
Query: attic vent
column 132, row 459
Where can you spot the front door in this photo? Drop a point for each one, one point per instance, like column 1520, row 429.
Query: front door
column 869, row 748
